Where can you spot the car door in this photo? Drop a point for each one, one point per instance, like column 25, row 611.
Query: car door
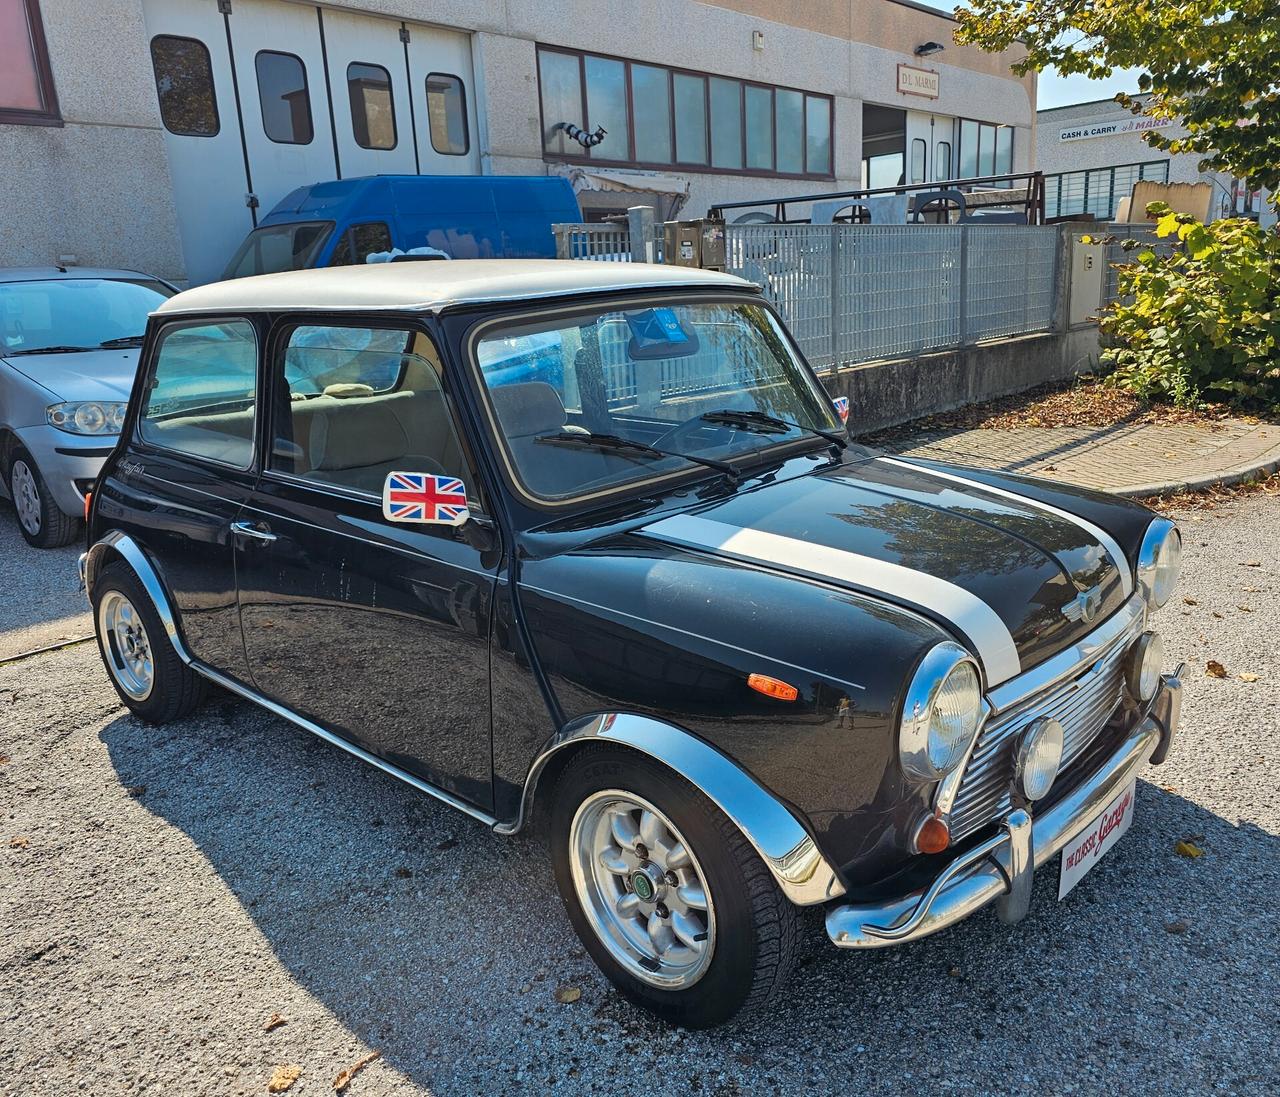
column 373, row 629
column 187, row 471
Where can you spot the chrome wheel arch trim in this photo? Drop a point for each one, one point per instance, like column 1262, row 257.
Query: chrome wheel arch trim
column 124, row 546
column 802, row 873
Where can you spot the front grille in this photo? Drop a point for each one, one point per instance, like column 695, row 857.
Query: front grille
column 1082, row 705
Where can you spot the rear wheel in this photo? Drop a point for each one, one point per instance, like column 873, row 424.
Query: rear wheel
column 41, row 522
column 667, row 895
column 148, row 674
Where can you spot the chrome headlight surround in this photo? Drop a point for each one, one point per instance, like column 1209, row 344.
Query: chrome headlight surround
column 87, row 416
column 1159, row 562
column 1143, row 664
column 941, row 713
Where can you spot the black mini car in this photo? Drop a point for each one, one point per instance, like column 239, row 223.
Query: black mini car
column 588, row 542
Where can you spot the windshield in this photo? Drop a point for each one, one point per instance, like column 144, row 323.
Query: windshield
column 75, row 313
column 279, row 247
column 660, row 377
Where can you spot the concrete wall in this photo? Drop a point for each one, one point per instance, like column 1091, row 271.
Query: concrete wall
column 98, row 186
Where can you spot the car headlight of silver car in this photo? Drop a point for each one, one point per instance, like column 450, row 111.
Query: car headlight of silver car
column 1159, row 562
column 87, row 416
column 941, row 714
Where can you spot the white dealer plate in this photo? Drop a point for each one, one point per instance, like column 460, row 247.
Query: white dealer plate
column 1105, row 831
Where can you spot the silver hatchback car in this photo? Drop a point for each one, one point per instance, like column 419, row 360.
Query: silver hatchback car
column 69, row 342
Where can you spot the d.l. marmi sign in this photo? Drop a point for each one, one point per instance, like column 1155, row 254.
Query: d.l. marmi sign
column 1111, row 129
column 914, row 81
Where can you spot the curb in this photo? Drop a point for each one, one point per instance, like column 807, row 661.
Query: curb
column 1269, row 463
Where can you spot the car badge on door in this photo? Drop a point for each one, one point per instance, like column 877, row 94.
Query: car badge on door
column 424, row 498
column 1084, row 607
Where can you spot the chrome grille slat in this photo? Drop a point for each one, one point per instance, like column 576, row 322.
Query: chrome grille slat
column 1082, row 705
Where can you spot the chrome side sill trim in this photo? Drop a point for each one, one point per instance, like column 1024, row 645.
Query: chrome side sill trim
column 983, row 875
column 329, row 737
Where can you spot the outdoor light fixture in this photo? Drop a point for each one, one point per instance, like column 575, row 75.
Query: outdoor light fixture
column 928, row 49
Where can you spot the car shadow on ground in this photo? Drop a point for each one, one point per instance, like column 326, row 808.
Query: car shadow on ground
column 441, row 944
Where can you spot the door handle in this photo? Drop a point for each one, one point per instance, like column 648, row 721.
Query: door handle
column 248, row 529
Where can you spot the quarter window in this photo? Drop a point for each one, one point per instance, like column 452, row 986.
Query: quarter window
column 201, row 394
column 373, row 111
column 184, row 85
column 284, row 98
column 26, row 80
column 362, row 402
column 447, row 114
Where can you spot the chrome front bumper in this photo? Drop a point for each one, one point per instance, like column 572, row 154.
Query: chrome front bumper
column 1002, row 868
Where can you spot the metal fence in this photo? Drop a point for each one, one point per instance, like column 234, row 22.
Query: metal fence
column 1123, row 242
column 1098, row 190
column 857, row 293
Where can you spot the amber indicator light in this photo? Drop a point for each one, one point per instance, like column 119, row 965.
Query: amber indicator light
column 933, row 836
column 772, row 687
column 88, row 501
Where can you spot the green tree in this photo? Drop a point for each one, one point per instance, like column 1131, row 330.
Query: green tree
column 1211, row 65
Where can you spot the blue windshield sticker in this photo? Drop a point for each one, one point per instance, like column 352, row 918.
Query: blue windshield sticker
column 655, row 327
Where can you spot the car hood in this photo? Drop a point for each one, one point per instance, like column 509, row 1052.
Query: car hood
column 83, row 375
column 1015, row 578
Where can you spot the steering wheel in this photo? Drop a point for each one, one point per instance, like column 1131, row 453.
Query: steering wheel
column 695, row 426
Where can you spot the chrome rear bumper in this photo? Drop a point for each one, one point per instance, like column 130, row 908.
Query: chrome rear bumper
column 1002, row 868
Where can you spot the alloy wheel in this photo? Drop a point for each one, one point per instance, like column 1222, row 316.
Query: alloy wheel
column 26, row 497
column 128, row 649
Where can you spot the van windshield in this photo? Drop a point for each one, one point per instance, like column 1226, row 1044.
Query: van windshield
column 275, row 248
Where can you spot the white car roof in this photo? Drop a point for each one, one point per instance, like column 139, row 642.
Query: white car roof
column 435, row 285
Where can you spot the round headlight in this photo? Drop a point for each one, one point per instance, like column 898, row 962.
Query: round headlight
column 941, row 714
column 1159, row 562
column 1144, row 664
column 1039, row 756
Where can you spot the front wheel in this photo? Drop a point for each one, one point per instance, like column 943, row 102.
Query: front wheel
column 664, row 891
column 42, row 524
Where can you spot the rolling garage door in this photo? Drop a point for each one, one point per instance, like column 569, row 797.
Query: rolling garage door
column 259, row 97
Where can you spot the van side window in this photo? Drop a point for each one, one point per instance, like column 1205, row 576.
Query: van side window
column 201, row 392
column 356, row 403
column 447, row 114
column 359, row 242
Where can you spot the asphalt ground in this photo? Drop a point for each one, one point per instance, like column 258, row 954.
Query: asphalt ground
column 165, row 892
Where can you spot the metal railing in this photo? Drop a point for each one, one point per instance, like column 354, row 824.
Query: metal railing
column 1120, row 252
column 1098, row 190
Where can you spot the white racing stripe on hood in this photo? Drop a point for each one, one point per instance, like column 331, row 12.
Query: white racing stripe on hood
column 969, row 613
column 1105, row 539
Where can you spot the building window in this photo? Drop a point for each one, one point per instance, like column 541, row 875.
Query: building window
column 373, row 111
column 919, row 152
column 284, row 98
column 986, row 149
column 184, row 85
column 655, row 116
column 447, row 114
column 27, row 96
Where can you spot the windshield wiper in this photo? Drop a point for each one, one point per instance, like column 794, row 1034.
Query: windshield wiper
column 617, row 442
column 768, row 424
column 46, row 350
column 121, row 341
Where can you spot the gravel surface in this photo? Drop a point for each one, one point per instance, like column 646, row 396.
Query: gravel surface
column 166, row 891
column 40, row 602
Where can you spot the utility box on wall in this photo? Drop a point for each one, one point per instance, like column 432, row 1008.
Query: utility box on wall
column 694, row 244
column 1088, row 267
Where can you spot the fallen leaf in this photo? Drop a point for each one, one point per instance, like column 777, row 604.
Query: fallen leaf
column 447, row 844
column 1170, row 788
column 1190, row 602
column 1253, row 563
column 344, row 1076
column 1188, row 849
column 1245, row 609
column 1253, row 590
column 1170, row 456
column 954, row 972
column 403, row 873
column 1177, row 928
column 5, row 759
column 136, row 790
column 19, row 841
column 1217, row 615
column 1248, row 676
column 274, row 1021
column 283, row 1077
column 566, row 995
column 1214, row 669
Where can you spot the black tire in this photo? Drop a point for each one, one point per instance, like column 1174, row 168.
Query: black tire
column 52, row 528
column 175, row 689
column 756, row 926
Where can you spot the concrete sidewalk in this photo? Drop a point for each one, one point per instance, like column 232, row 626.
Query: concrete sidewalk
column 1126, row 458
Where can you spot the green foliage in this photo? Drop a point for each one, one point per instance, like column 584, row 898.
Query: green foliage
column 1203, row 322
column 1211, row 65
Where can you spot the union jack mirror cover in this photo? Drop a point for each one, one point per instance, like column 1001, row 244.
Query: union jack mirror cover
column 424, row 498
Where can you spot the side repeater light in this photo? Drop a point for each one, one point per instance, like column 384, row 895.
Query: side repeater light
column 772, row 687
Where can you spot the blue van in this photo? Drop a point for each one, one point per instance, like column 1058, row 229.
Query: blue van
column 461, row 216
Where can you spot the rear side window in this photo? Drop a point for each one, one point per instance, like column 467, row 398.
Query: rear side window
column 447, row 114
column 201, row 393
column 373, row 112
column 184, row 84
